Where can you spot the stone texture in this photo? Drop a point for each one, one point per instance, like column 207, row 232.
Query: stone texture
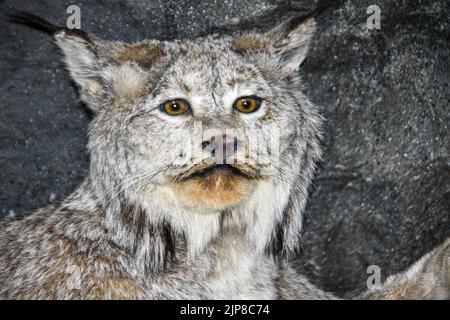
column 382, row 194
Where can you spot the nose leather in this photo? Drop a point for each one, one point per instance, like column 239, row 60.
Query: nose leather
column 221, row 147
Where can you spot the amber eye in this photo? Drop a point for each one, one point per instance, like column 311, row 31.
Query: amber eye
column 247, row 104
column 175, row 107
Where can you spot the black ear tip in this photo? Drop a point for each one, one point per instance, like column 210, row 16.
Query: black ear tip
column 36, row 22
column 296, row 20
column 322, row 8
column 32, row 20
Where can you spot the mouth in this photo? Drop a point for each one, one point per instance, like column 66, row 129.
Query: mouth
column 215, row 186
column 205, row 171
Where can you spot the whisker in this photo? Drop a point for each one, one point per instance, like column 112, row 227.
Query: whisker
column 130, row 182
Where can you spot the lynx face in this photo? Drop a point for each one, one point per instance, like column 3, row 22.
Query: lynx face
column 196, row 130
column 208, row 151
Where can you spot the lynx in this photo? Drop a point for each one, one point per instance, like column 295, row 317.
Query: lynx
column 167, row 212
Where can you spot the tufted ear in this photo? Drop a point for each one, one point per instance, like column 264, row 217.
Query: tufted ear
column 288, row 42
column 85, row 67
column 107, row 71
column 291, row 41
column 104, row 71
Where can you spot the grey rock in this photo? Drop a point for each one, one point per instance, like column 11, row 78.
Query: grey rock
column 382, row 194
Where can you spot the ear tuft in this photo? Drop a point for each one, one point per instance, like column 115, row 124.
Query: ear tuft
column 25, row 18
column 104, row 71
column 79, row 51
column 38, row 23
column 84, row 65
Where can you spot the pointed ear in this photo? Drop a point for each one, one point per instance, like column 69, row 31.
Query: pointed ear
column 107, row 71
column 287, row 42
column 79, row 54
column 103, row 70
column 291, row 41
column 84, row 66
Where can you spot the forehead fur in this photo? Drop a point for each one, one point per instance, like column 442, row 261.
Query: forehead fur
column 248, row 42
column 205, row 64
column 144, row 54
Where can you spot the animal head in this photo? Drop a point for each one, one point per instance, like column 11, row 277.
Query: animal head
column 201, row 135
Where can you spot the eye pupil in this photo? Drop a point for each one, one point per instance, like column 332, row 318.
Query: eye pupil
column 175, row 106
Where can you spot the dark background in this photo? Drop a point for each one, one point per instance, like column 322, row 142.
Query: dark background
column 382, row 194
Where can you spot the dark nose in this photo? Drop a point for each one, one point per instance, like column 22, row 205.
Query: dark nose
column 221, row 147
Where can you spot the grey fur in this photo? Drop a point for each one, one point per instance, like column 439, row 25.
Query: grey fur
column 133, row 229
